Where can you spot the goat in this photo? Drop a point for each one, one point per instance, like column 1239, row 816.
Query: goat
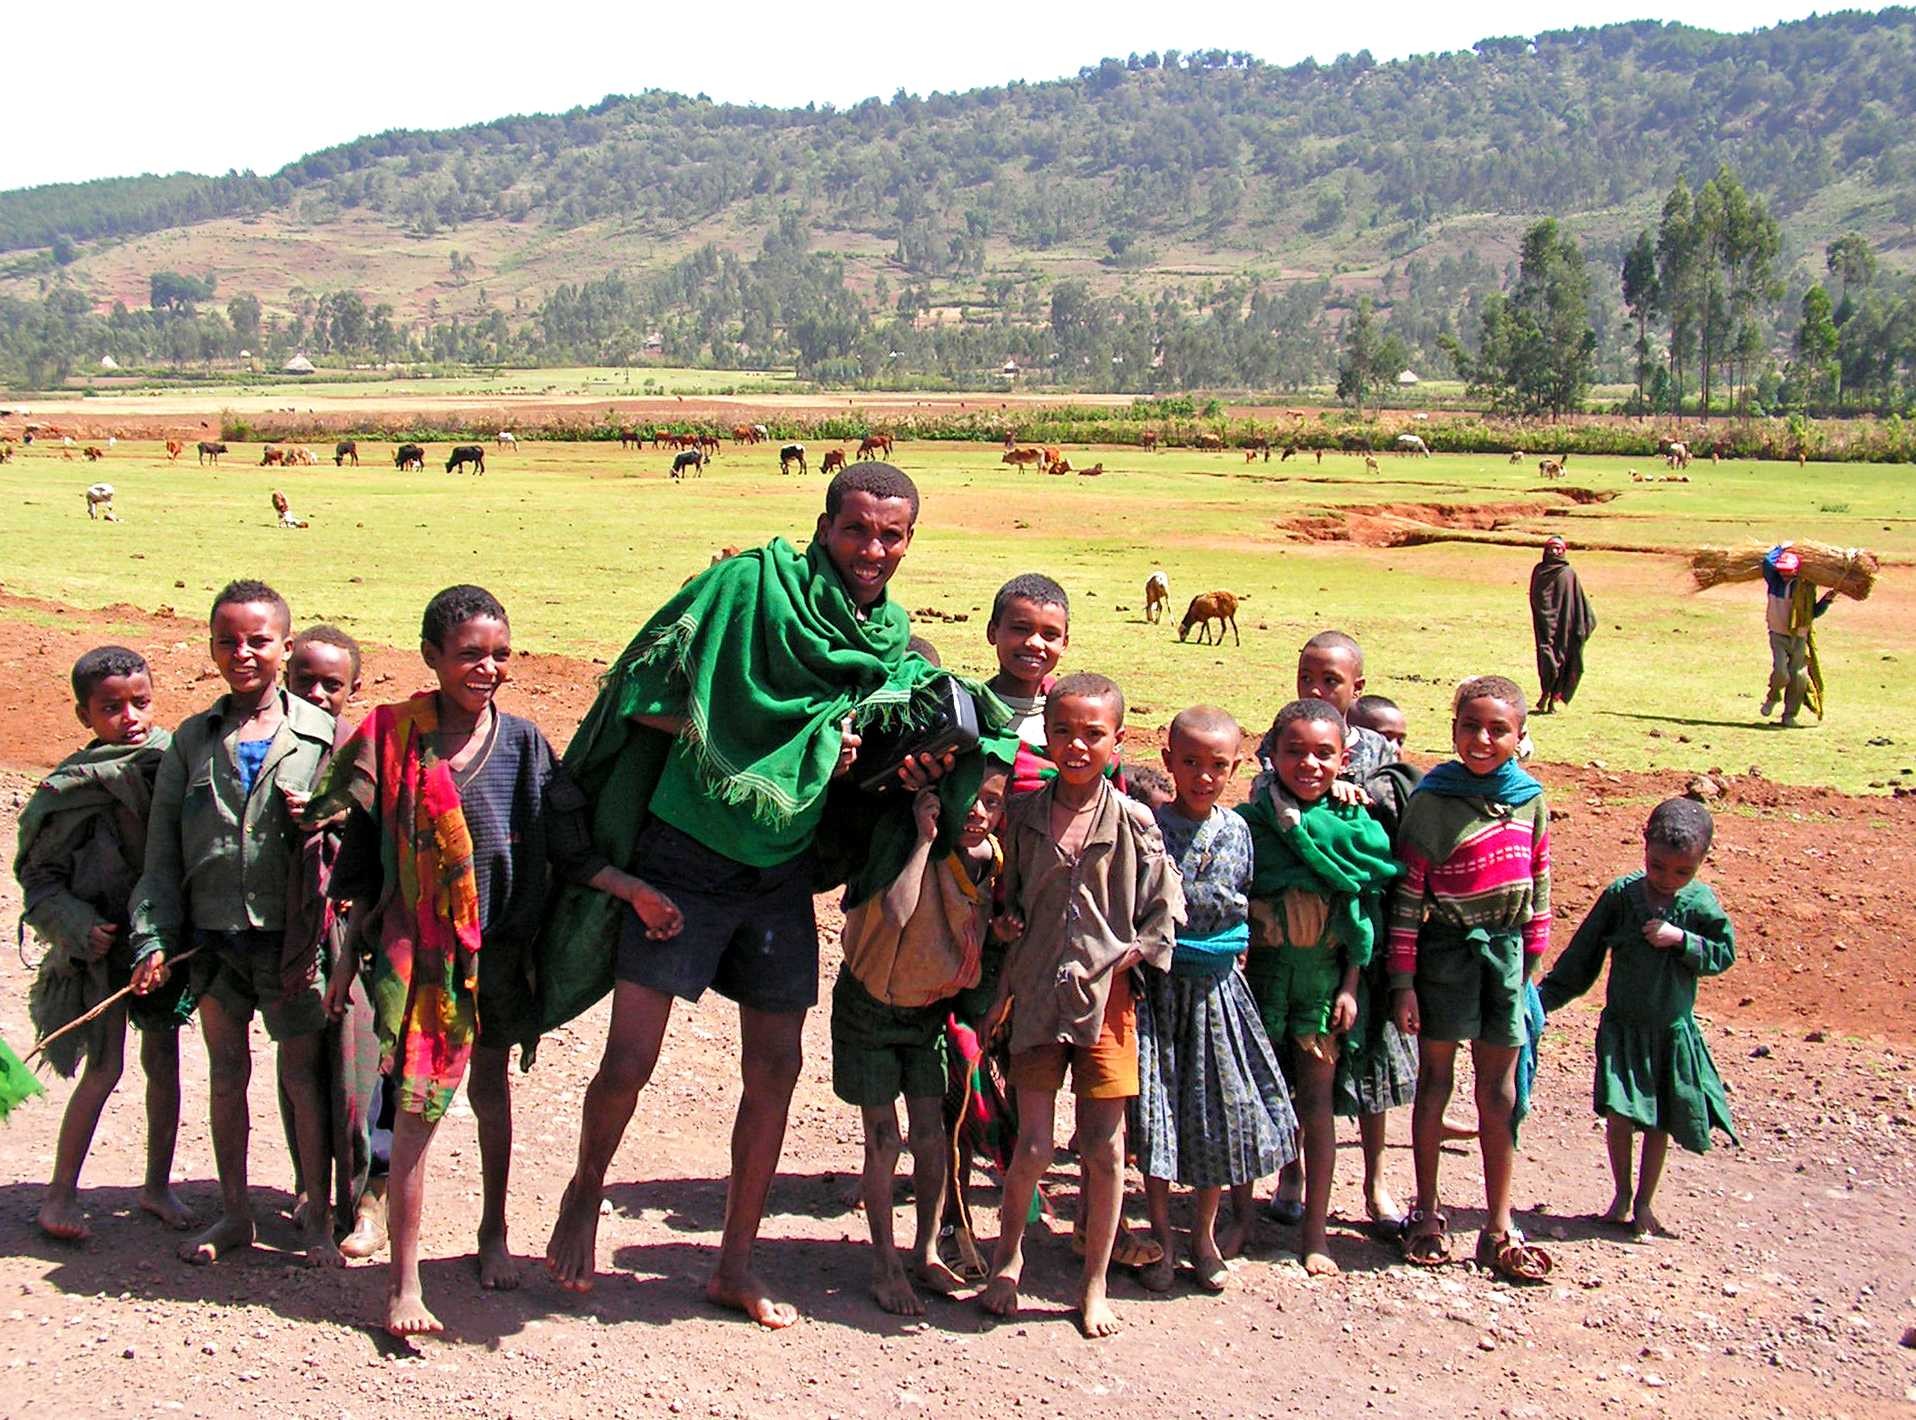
column 1220, row 607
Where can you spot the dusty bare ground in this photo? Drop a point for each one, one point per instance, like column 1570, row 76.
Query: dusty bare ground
column 1787, row 1292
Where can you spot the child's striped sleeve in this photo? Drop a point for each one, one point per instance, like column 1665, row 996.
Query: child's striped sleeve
column 1536, row 929
column 1406, row 916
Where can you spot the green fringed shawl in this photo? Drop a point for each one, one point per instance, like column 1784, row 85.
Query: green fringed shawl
column 1335, row 849
column 762, row 656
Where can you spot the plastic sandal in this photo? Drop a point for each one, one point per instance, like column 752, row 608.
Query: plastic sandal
column 1513, row 1258
column 1426, row 1239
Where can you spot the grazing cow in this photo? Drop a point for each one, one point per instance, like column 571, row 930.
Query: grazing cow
column 1370, row 464
column 630, row 438
column 463, row 454
column 872, row 445
column 691, row 459
column 272, row 456
column 1413, row 444
column 1289, row 450
column 744, row 434
column 210, row 451
column 174, row 448
column 93, row 453
column 409, row 457
column 1095, row 471
column 506, row 439
column 346, row 449
column 99, row 502
column 708, row 445
column 1256, row 445
column 1220, row 607
column 793, row 454
column 1250, row 456
column 834, row 461
column 760, row 433
column 287, row 518
column 1210, row 442
column 1157, row 596
column 1148, row 439
column 1516, row 456
column 1676, row 453
column 1024, row 457
column 1552, row 468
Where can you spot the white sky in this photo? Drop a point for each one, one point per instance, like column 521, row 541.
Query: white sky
column 111, row 88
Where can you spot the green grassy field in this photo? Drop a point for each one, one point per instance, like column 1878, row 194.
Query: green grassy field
column 582, row 542
column 559, row 382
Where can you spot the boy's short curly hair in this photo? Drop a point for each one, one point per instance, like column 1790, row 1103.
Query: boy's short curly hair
column 1033, row 587
column 881, row 480
column 1143, row 780
column 1337, row 641
column 456, row 605
column 327, row 635
column 1682, row 825
column 1490, row 687
column 1202, row 720
column 101, row 663
column 1084, row 685
column 248, row 592
column 1313, row 710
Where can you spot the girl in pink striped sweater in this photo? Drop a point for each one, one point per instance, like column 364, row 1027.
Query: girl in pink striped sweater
column 1468, row 925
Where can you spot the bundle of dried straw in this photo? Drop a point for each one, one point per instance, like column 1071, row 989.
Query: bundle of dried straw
column 1849, row 570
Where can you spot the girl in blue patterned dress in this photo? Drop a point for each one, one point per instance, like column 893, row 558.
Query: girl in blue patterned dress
column 1212, row 1109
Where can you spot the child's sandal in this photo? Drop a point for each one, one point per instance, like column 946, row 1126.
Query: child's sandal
column 1512, row 1257
column 1426, row 1239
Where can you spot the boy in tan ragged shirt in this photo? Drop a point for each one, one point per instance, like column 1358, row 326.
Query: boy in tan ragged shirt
column 1089, row 893
column 908, row 951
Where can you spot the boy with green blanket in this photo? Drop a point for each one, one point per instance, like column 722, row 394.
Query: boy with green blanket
column 706, row 760
column 81, row 844
column 1320, row 869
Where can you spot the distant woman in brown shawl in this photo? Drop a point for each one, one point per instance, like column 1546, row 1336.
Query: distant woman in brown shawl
column 1561, row 615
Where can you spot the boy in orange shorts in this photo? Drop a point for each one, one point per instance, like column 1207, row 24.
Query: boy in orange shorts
column 1089, row 894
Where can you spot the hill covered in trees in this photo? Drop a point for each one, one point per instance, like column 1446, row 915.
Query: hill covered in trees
column 1162, row 220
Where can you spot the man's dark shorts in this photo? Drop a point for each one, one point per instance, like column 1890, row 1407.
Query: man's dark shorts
column 244, row 973
column 749, row 932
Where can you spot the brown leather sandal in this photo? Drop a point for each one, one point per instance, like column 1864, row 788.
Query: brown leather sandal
column 1513, row 1258
column 1426, row 1239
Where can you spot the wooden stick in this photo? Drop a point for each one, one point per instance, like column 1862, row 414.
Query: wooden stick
column 98, row 1011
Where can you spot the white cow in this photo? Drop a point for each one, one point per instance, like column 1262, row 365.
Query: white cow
column 506, row 439
column 99, row 502
column 1413, row 444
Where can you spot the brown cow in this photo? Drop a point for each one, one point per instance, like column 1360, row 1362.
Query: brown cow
column 174, row 448
column 346, row 449
column 1095, row 471
column 834, row 461
column 1220, row 607
column 1061, row 465
column 873, row 445
column 1211, row 442
column 708, row 444
column 744, row 434
column 1148, row 439
column 630, row 438
column 1052, row 454
column 1157, row 596
column 1370, row 464
column 272, row 456
column 1024, row 457
column 93, row 453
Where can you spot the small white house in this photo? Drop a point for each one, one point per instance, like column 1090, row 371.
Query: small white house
column 107, row 362
column 298, row 365
column 1009, row 369
column 1407, row 378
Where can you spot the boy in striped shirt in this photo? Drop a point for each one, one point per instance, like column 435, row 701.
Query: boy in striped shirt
column 1469, row 922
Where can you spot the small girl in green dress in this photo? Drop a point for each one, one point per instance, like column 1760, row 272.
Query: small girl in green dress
column 1662, row 929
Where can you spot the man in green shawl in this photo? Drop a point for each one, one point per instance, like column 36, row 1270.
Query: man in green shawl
column 707, row 757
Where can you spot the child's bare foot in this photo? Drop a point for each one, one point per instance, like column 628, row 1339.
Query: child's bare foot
column 1452, row 1132
column 891, row 1289
column 1618, row 1212
column 165, row 1204
column 1000, row 1296
column 934, row 1276
column 319, row 1247
column 407, row 1314
column 1233, row 1241
column 1095, row 1317
column 572, row 1254
column 229, row 1234
column 498, row 1269
column 1319, row 1264
column 747, row 1294
column 61, row 1217
column 1647, row 1225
